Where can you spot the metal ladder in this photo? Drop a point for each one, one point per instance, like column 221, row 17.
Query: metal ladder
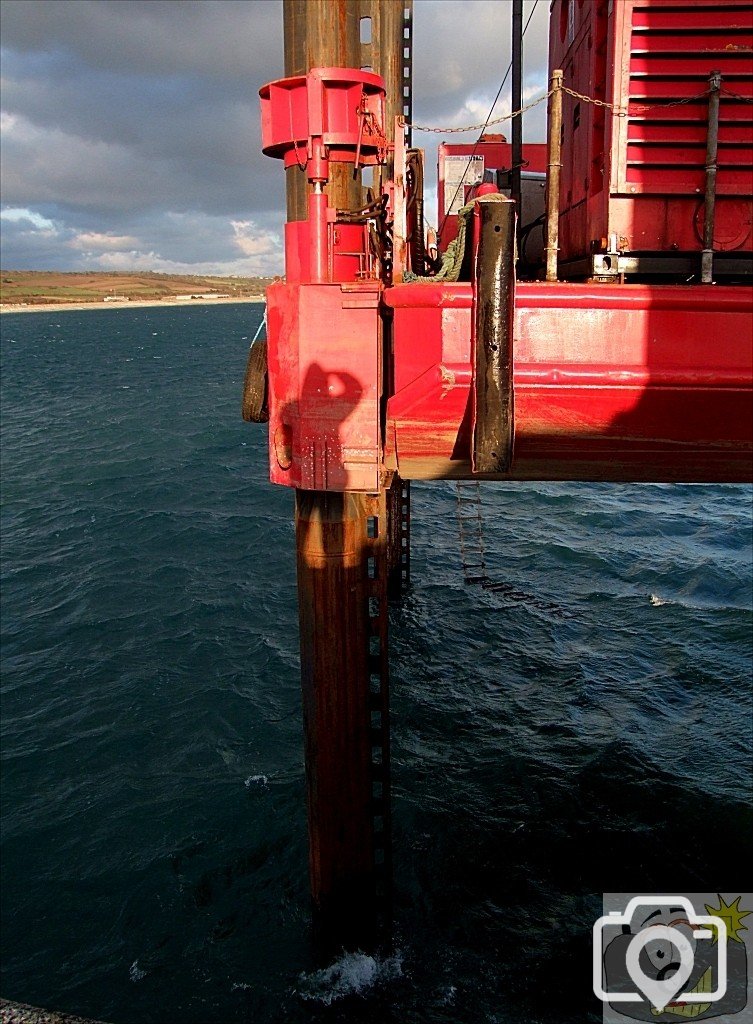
column 471, row 532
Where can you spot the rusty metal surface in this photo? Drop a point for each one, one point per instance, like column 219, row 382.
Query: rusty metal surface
column 398, row 541
column 379, row 557
column 709, row 203
column 326, row 367
column 342, row 582
column 321, row 34
column 384, row 53
column 331, row 545
column 494, row 284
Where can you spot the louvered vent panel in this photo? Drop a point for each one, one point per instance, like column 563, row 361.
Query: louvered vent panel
column 673, row 49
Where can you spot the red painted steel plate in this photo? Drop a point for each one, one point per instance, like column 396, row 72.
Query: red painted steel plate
column 612, row 382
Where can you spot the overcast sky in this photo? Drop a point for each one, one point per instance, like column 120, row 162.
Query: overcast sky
column 130, row 128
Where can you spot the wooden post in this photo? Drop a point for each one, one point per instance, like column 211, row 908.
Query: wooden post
column 554, row 165
column 516, row 172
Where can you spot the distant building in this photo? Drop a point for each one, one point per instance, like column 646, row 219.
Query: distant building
column 203, row 295
column 116, row 298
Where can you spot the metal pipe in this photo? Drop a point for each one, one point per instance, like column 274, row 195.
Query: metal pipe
column 493, row 317
column 319, row 269
column 333, row 602
column 712, row 143
column 517, row 102
column 321, row 34
column 554, row 166
column 342, row 562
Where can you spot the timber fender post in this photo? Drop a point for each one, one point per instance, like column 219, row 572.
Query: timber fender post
column 554, row 166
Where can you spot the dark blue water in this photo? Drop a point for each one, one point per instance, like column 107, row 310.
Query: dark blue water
column 587, row 730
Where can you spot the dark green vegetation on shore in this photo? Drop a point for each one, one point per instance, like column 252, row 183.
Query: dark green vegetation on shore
column 43, row 286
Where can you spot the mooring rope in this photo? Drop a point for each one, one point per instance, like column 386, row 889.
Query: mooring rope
column 262, row 324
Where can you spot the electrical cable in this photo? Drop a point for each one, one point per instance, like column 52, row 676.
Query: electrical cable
column 488, row 119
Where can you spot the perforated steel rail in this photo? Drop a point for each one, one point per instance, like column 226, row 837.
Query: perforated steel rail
column 408, row 68
column 404, row 538
column 379, row 702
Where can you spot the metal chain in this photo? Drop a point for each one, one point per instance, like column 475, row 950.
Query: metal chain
column 479, row 127
column 473, row 556
column 736, row 95
column 675, row 103
column 620, row 111
column 617, row 110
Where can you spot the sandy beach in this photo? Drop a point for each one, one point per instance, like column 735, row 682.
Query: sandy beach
column 59, row 307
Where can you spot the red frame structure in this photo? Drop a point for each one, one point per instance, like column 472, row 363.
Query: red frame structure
column 612, row 382
column 609, row 381
column 376, row 376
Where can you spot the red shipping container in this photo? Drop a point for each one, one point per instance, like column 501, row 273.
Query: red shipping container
column 641, row 177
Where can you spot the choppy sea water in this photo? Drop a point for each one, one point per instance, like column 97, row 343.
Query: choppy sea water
column 584, row 729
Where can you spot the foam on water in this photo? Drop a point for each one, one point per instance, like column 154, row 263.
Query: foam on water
column 256, row 780
column 135, row 973
column 353, row 974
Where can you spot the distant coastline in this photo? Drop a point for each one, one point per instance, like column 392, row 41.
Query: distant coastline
column 62, row 307
column 42, row 291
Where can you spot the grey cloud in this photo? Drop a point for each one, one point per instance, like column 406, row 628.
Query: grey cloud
column 141, row 118
column 470, row 46
column 25, row 247
column 175, row 143
column 171, row 242
column 126, row 105
column 224, row 38
column 47, row 165
column 470, row 53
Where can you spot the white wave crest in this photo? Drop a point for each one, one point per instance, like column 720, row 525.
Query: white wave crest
column 353, row 974
column 135, row 972
column 256, row 780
